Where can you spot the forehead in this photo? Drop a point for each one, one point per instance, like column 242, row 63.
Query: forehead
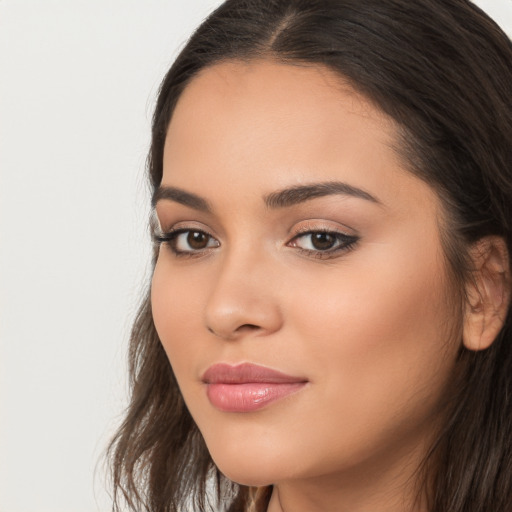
column 262, row 79
column 312, row 94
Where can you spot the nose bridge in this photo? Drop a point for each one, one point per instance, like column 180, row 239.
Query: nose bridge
column 244, row 297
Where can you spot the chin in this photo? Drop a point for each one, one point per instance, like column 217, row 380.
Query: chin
column 253, row 468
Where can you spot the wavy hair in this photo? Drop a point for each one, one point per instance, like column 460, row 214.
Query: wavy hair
column 442, row 70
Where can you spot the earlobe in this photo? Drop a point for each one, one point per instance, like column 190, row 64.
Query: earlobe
column 487, row 293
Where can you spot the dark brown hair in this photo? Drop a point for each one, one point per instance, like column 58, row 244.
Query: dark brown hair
column 443, row 71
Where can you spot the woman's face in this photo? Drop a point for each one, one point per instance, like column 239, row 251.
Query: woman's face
column 301, row 292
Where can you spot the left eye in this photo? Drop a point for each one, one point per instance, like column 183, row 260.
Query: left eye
column 323, row 241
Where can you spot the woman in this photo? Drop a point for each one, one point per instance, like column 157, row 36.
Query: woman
column 328, row 325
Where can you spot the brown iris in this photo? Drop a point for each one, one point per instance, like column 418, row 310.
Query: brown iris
column 197, row 240
column 323, row 241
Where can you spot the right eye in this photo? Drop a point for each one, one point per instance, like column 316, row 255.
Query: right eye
column 185, row 242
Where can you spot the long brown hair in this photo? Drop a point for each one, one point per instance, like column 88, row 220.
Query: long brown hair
column 443, row 71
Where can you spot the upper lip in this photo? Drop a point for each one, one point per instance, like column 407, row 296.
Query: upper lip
column 223, row 373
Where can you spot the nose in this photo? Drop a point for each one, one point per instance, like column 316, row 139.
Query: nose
column 244, row 299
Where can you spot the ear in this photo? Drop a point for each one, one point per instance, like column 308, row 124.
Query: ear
column 487, row 293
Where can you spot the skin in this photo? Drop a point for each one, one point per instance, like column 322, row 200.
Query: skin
column 368, row 326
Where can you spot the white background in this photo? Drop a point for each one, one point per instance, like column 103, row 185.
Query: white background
column 78, row 80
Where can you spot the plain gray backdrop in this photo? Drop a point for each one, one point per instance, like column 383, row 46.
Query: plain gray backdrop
column 77, row 86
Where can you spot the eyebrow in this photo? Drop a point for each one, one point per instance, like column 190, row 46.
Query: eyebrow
column 280, row 199
column 301, row 193
column 181, row 196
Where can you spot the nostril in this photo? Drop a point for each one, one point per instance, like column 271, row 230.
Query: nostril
column 239, row 330
column 246, row 328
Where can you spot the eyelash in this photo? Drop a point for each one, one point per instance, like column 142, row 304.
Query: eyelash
column 343, row 243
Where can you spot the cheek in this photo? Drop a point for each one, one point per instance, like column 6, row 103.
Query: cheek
column 383, row 333
column 176, row 304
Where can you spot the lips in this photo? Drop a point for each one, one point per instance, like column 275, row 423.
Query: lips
column 247, row 387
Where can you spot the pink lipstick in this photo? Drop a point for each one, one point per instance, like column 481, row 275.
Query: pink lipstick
column 247, row 387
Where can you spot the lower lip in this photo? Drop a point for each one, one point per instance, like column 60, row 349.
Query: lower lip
column 250, row 396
